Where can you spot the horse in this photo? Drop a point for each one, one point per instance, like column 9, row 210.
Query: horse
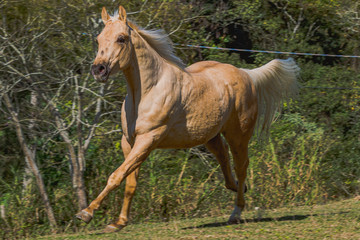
column 169, row 105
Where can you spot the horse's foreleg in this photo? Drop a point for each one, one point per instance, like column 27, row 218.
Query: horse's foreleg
column 130, row 187
column 141, row 149
column 131, row 182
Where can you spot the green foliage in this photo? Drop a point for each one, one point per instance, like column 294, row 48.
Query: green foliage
column 313, row 153
column 289, row 169
column 23, row 209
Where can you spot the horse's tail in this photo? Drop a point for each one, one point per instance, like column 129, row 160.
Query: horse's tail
column 274, row 82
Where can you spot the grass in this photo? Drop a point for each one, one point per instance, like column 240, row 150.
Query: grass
column 336, row 220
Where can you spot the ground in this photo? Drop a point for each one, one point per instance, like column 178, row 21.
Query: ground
column 336, row 220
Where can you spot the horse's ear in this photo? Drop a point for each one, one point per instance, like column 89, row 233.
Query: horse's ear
column 104, row 15
column 122, row 14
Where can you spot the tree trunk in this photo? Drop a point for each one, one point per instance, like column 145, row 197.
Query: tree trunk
column 75, row 167
column 30, row 161
column 356, row 61
column 27, row 180
column 76, row 174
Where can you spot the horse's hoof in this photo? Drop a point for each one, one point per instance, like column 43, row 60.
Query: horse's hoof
column 234, row 220
column 235, row 217
column 113, row 228
column 84, row 215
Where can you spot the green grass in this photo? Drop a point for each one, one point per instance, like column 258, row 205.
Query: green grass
column 336, row 220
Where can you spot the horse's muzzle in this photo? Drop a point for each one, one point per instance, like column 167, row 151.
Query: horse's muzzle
column 100, row 72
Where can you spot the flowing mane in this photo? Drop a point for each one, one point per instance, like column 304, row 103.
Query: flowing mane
column 158, row 40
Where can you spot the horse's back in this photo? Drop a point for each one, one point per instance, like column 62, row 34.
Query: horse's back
column 202, row 66
column 219, row 72
column 225, row 76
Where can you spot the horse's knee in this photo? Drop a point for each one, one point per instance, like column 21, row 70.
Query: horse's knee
column 114, row 180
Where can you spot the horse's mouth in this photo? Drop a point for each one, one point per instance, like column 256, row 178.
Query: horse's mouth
column 102, row 78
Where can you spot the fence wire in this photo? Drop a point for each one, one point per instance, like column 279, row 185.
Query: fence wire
column 279, row 52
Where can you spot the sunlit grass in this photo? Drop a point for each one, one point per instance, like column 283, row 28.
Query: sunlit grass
column 336, row 220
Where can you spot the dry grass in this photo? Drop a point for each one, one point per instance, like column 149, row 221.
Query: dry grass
column 336, row 220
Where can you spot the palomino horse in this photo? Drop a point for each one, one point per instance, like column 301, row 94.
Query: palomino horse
column 170, row 106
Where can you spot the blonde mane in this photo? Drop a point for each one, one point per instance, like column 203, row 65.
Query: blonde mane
column 158, row 40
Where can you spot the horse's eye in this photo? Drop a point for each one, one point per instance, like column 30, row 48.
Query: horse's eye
column 121, row 39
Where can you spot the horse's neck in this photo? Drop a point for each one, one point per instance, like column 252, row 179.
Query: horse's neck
column 144, row 71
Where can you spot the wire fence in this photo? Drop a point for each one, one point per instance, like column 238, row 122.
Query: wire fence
column 280, row 52
column 268, row 51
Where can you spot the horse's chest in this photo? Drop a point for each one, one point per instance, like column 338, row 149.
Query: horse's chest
column 128, row 122
column 143, row 118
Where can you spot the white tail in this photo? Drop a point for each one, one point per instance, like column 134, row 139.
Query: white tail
column 274, row 83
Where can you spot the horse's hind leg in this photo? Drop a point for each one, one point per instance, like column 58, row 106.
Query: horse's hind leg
column 131, row 182
column 239, row 149
column 219, row 148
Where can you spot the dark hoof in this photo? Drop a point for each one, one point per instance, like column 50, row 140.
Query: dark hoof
column 113, row 228
column 85, row 216
column 234, row 221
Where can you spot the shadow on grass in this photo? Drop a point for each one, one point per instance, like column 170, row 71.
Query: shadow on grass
column 267, row 219
column 100, row 232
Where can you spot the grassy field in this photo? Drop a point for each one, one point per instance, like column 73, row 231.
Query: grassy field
column 336, row 220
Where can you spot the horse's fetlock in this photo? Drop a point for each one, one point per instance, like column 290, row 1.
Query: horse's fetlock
column 230, row 187
column 123, row 220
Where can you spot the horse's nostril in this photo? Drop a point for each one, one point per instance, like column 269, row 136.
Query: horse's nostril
column 101, row 69
column 98, row 69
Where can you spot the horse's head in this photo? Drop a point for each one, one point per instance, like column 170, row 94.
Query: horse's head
column 114, row 46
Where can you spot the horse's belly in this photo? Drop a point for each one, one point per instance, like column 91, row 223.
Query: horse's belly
column 185, row 135
column 185, row 140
